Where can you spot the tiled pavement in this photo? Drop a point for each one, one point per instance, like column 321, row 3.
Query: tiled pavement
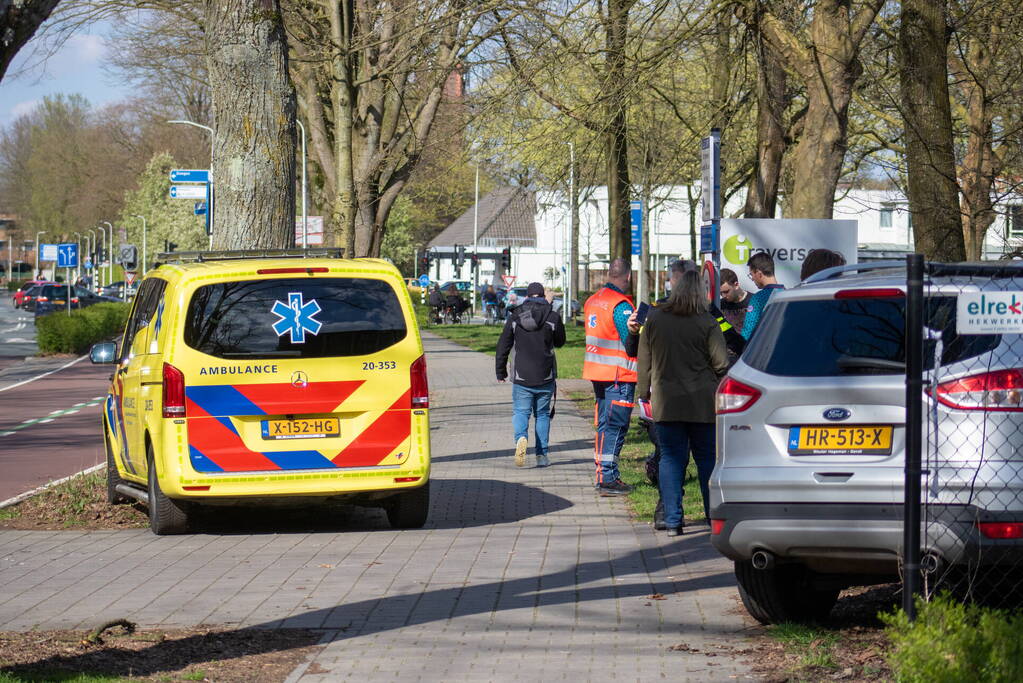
column 520, row 573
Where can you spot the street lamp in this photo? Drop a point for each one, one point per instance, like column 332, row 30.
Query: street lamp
column 305, row 213
column 110, row 253
column 95, row 255
column 99, row 261
column 209, row 207
column 568, row 285
column 41, row 232
column 144, row 242
column 78, row 269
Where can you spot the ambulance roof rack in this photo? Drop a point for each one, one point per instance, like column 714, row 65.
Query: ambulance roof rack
column 241, row 254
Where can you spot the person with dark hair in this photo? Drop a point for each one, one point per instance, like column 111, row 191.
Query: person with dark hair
column 534, row 330
column 682, row 355
column 436, row 303
column 820, row 259
column 761, row 271
column 734, row 299
column 612, row 371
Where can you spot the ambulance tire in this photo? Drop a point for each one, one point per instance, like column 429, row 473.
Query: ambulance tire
column 166, row 515
column 113, row 478
column 409, row 510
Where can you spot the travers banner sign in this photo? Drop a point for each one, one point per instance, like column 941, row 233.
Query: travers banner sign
column 787, row 241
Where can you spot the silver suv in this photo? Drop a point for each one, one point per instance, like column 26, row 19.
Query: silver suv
column 806, row 497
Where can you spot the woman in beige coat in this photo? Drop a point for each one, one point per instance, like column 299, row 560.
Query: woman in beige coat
column 682, row 355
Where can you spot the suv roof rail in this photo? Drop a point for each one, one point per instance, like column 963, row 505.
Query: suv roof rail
column 239, row 254
column 829, row 273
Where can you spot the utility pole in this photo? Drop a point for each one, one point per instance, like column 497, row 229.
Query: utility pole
column 144, row 241
column 41, row 232
column 110, row 253
column 476, row 240
column 572, row 274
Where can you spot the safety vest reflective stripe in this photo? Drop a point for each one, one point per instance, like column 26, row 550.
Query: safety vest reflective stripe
column 612, row 344
column 626, row 363
column 724, row 324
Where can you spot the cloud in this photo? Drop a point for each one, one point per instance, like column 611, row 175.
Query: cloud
column 88, row 47
column 22, row 108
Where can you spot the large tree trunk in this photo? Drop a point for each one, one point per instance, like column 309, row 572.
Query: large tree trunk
column 762, row 193
column 19, row 21
column 616, row 134
column 253, row 164
column 923, row 81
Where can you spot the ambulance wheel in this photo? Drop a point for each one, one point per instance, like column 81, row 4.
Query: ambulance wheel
column 113, row 479
column 166, row 515
column 409, row 510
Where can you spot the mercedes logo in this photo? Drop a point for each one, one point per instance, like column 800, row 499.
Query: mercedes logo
column 299, row 379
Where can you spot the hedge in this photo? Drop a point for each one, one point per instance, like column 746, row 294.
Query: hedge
column 59, row 332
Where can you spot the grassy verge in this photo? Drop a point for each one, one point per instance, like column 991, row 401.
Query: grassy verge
column 74, row 504
column 632, row 464
column 483, row 338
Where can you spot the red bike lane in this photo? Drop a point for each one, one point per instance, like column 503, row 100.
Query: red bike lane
column 50, row 427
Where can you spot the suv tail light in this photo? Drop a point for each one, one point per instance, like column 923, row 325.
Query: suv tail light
column 420, row 387
column 734, row 397
column 1000, row 391
column 173, row 391
column 41, row 299
column 1001, row 530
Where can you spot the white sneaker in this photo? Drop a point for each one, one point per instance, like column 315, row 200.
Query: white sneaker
column 542, row 461
column 520, row 451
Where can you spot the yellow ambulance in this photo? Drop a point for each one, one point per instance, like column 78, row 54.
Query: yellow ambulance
column 249, row 376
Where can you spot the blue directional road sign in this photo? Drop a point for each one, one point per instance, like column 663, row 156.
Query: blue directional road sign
column 200, row 208
column 636, row 219
column 67, row 255
column 188, row 191
column 48, row 252
column 189, row 175
column 424, row 280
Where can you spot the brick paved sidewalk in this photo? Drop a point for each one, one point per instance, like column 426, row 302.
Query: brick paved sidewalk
column 520, row 573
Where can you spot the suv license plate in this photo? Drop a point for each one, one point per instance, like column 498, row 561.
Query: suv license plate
column 844, row 440
column 309, row 428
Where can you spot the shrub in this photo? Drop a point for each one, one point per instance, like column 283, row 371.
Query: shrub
column 951, row 642
column 75, row 333
column 15, row 285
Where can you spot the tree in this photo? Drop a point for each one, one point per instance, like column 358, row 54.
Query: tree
column 825, row 57
column 19, row 21
column 253, row 124
column 930, row 159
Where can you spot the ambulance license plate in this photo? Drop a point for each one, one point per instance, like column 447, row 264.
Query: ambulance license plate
column 308, row 428
column 844, row 440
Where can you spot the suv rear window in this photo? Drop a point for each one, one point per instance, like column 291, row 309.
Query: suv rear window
column 355, row 317
column 825, row 338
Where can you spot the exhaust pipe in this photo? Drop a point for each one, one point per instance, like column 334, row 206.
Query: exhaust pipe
column 138, row 494
column 763, row 560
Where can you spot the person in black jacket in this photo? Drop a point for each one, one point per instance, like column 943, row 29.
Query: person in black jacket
column 534, row 330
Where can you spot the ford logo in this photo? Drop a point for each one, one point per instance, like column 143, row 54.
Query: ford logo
column 836, row 414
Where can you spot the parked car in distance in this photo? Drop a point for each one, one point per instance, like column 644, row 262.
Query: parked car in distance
column 807, row 494
column 463, row 286
column 116, row 289
column 53, row 297
column 514, row 296
column 559, row 301
column 22, row 293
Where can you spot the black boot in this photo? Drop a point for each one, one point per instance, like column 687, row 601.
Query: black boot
column 659, row 516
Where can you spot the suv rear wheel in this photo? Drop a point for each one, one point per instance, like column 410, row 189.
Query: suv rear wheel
column 782, row 593
column 409, row 510
column 166, row 515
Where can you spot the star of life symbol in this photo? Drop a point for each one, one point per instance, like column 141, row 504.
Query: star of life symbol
column 296, row 317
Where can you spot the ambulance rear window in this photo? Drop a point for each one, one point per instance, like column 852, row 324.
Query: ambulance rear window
column 294, row 318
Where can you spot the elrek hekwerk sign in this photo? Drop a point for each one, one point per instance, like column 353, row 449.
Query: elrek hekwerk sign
column 989, row 313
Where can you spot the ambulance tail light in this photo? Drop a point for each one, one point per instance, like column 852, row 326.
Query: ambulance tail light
column 420, row 387
column 173, row 391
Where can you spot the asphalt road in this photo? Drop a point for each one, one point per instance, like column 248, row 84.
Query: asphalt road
column 49, row 427
column 17, row 333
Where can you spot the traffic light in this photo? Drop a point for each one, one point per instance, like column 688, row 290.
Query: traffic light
column 129, row 257
column 424, row 262
column 474, row 259
column 459, row 255
column 506, row 259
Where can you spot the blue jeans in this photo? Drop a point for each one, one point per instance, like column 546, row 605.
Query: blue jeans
column 613, row 412
column 536, row 401
column 675, row 439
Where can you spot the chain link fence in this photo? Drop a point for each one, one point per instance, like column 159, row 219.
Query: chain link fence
column 969, row 476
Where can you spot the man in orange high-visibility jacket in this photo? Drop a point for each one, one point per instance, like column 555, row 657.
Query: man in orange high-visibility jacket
column 612, row 371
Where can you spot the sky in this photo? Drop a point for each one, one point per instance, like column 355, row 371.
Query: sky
column 75, row 68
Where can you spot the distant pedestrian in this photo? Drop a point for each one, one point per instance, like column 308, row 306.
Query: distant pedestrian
column 534, row 331
column 734, row 299
column 612, row 371
column 682, row 355
column 761, row 271
column 820, row 259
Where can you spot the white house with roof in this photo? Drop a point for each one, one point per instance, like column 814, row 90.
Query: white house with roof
column 534, row 225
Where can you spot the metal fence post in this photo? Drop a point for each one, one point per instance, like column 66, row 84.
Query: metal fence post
column 914, row 431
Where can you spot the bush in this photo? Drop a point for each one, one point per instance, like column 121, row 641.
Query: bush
column 75, row 333
column 15, row 285
column 951, row 642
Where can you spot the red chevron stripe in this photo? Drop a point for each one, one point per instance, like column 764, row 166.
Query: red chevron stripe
column 220, row 444
column 377, row 441
column 316, row 397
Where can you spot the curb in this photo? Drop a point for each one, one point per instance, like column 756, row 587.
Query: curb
column 28, row 494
